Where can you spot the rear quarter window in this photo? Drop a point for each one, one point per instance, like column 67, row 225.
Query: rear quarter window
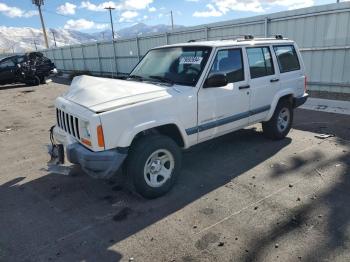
column 287, row 58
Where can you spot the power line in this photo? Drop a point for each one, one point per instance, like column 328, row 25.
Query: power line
column 71, row 16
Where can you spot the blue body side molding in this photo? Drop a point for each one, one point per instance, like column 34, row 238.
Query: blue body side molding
column 226, row 120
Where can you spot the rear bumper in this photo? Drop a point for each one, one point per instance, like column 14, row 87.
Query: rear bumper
column 102, row 164
column 298, row 101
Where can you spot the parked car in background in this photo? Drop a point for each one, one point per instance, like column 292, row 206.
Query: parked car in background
column 30, row 68
column 176, row 97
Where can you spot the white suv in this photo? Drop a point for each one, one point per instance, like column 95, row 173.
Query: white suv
column 178, row 96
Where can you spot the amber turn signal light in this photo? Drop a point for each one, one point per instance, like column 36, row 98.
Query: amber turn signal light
column 100, row 138
column 86, row 141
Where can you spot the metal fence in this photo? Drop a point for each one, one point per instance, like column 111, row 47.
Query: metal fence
column 322, row 33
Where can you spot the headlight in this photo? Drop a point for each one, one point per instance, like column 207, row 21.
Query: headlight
column 85, row 126
column 85, row 133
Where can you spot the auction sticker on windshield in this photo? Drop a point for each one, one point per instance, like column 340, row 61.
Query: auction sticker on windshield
column 191, row 60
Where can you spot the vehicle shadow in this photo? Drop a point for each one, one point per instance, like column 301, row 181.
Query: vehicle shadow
column 61, row 80
column 334, row 224
column 77, row 218
column 12, row 86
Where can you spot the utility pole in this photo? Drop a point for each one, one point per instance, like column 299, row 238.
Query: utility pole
column 39, row 3
column 36, row 48
column 172, row 20
column 110, row 16
column 54, row 38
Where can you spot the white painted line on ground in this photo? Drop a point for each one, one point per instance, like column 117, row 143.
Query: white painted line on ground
column 326, row 105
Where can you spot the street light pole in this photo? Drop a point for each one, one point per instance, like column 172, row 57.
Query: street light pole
column 110, row 16
column 172, row 20
column 39, row 3
column 54, row 38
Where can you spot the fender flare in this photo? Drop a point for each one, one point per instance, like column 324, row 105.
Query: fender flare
column 128, row 136
column 276, row 99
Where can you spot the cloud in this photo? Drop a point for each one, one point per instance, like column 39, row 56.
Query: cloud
column 221, row 7
column 83, row 24
column 225, row 6
column 12, row 11
column 66, row 9
column 100, row 7
column 212, row 11
column 292, row 4
column 152, row 9
column 124, row 5
column 137, row 4
column 30, row 13
column 127, row 16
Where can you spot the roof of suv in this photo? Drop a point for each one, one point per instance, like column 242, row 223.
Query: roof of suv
column 235, row 42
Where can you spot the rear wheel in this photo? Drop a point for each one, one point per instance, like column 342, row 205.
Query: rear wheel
column 153, row 164
column 281, row 122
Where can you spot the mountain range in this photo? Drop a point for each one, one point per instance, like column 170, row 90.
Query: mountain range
column 21, row 39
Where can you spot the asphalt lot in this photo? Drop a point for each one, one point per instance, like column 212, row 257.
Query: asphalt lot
column 240, row 197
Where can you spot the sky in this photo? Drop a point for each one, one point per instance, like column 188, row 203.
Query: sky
column 90, row 16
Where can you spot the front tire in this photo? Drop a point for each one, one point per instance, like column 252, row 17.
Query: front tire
column 35, row 81
column 154, row 164
column 281, row 122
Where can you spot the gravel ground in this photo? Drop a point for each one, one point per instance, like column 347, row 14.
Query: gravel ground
column 240, row 197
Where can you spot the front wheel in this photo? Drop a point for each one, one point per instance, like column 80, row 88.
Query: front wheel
column 281, row 122
column 35, row 81
column 153, row 164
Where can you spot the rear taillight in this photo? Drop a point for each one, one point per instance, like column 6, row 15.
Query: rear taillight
column 305, row 84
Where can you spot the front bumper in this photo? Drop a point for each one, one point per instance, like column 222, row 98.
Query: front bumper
column 102, row 164
column 298, row 101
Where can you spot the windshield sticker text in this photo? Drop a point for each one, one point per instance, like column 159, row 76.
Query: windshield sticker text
column 191, row 60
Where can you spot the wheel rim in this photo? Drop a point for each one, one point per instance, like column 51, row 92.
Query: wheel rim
column 159, row 168
column 283, row 119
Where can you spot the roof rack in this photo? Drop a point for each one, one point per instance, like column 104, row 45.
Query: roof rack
column 250, row 38
column 191, row 41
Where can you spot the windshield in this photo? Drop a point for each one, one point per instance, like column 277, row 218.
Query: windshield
column 178, row 65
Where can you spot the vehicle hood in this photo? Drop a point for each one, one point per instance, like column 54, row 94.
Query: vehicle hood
column 104, row 94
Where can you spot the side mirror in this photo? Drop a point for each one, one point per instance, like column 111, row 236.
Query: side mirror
column 216, row 80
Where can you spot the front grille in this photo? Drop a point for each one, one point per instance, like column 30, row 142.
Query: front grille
column 68, row 123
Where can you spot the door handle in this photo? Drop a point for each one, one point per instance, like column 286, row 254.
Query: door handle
column 274, row 80
column 244, row 87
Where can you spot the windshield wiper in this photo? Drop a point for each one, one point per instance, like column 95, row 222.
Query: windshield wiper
column 136, row 77
column 163, row 79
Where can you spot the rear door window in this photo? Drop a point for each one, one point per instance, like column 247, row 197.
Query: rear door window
column 260, row 62
column 287, row 58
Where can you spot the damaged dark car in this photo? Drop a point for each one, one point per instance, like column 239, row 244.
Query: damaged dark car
column 30, row 68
